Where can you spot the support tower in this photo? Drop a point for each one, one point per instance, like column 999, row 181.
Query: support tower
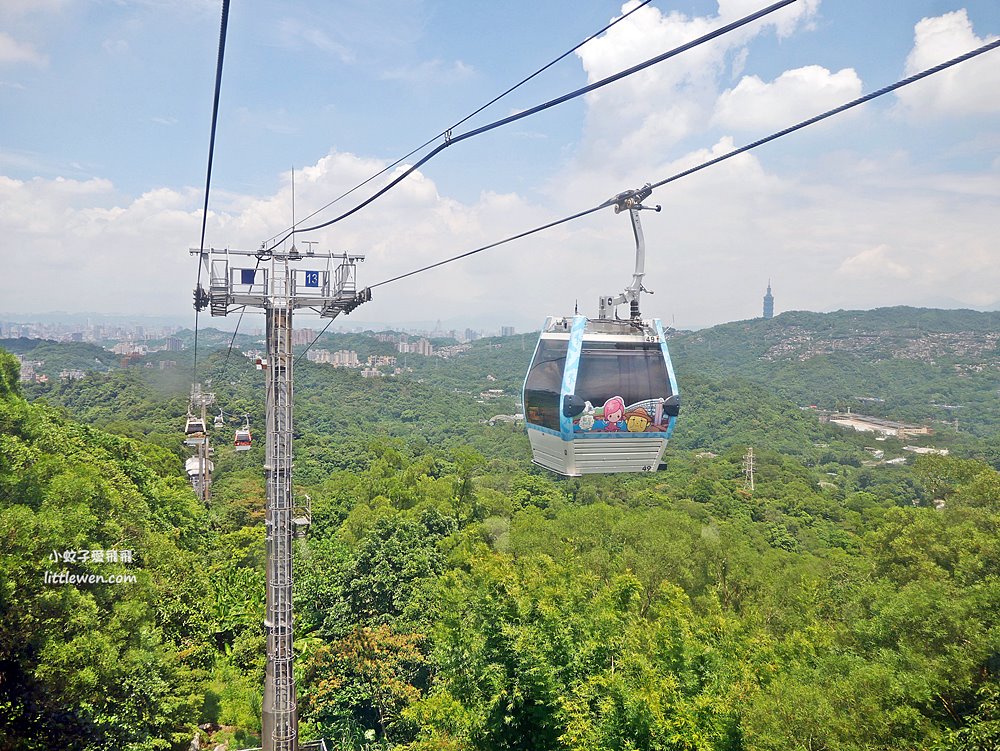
column 279, row 283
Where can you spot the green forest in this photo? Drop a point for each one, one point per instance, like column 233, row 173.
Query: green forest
column 452, row 596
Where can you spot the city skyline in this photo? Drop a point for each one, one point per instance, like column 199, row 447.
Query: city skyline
column 138, row 332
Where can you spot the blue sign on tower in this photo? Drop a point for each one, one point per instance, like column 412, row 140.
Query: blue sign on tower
column 312, row 278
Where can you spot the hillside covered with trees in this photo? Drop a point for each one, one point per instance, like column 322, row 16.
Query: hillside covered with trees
column 907, row 363
column 450, row 595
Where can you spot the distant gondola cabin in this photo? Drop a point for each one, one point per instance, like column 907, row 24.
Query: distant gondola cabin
column 242, row 440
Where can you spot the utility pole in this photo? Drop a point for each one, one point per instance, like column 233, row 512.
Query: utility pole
column 326, row 284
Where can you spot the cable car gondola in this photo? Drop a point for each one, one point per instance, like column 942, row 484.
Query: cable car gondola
column 600, row 394
column 194, row 430
column 243, row 440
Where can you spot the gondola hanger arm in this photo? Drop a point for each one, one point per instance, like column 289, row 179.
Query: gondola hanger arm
column 631, row 200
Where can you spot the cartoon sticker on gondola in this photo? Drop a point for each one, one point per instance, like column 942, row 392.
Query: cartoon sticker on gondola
column 614, row 412
column 637, row 420
column 616, row 417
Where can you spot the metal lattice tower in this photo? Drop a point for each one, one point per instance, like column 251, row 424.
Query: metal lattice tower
column 748, row 469
column 280, row 287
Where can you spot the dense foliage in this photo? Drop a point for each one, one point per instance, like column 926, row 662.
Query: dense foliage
column 904, row 363
column 59, row 356
column 95, row 665
column 452, row 596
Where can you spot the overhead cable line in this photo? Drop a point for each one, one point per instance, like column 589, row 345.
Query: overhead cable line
column 450, row 140
column 309, row 347
column 200, row 301
column 615, row 200
column 468, row 117
column 225, row 363
column 443, row 134
column 520, row 235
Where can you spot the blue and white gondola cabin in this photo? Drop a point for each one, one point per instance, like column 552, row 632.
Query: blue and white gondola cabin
column 600, row 396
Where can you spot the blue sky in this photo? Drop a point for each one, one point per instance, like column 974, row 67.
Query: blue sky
column 106, row 110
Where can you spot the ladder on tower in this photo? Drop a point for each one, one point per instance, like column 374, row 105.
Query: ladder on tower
column 283, row 711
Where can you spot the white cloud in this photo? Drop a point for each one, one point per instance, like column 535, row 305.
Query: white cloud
column 115, row 46
column 833, row 229
column 671, row 100
column 13, row 52
column 785, row 21
column 294, row 34
column 84, row 243
column 438, row 72
column 967, row 88
column 18, row 8
column 874, row 264
column 857, row 233
column 793, row 96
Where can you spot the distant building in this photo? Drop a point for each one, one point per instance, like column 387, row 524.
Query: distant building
column 878, row 425
column 129, row 348
column 27, row 371
column 508, row 419
column 303, row 336
column 173, row 344
column 926, row 450
column 768, row 302
column 420, row 347
column 452, row 351
column 345, row 358
column 506, row 331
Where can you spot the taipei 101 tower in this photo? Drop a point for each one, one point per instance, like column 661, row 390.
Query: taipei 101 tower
column 768, row 302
